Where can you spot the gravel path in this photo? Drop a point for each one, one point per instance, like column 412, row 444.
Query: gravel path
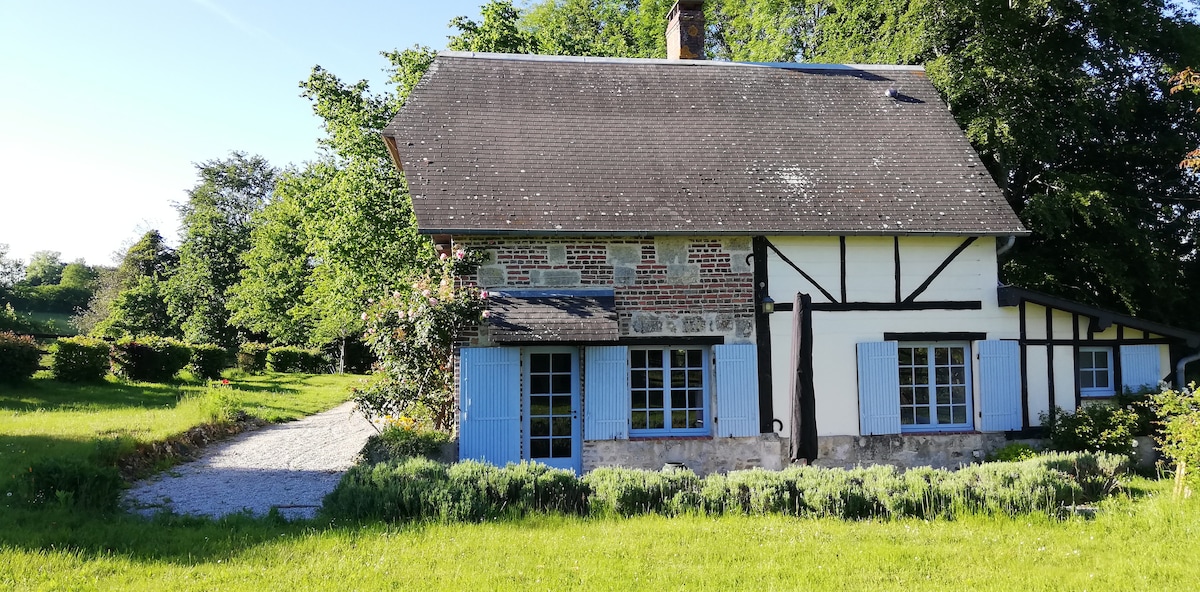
column 289, row 466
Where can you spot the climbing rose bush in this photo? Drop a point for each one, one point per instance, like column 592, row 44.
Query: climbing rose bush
column 412, row 332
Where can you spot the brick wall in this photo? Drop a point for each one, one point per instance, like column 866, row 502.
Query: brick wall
column 692, row 286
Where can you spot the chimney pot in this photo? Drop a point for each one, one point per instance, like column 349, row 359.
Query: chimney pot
column 685, row 30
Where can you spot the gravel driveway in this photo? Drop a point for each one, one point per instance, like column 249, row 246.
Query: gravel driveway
column 289, row 466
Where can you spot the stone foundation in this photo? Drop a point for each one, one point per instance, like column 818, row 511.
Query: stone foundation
column 907, row 451
column 701, row 455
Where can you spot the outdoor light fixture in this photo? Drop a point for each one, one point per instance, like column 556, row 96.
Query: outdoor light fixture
column 768, row 305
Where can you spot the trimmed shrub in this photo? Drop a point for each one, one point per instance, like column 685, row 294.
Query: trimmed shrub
column 71, row 482
column 150, row 359
column 80, row 359
column 296, row 359
column 420, row 489
column 252, row 357
column 1092, row 428
column 20, row 357
column 207, row 361
column 397, row 442
column 1013, row 452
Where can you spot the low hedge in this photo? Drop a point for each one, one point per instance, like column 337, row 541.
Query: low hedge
column 252, row 357
column 421, row 489
column 150, row 359
column 80, row 359
column 20, row 357
column 296, row 359
column 207, row 361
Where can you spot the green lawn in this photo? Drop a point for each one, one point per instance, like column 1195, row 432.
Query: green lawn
column 45, row 418
column 1144, row 541
column 1147, row 544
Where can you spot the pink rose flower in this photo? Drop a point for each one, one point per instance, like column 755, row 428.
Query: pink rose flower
column 483, row 294
column 459, row 254
column 487, row 314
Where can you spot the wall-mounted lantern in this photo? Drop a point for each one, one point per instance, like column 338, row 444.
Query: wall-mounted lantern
column 768, row 305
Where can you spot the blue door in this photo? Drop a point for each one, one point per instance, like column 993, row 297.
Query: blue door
column 552, row 404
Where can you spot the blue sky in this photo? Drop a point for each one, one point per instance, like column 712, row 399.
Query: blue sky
column 105, row 106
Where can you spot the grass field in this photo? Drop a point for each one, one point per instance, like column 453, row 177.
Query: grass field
column 1141, row 541
column 44, row 418
column 1146, row 544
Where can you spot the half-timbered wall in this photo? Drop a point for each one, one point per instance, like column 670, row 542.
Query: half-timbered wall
column 943, row 285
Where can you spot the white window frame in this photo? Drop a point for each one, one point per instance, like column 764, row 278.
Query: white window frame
column 931, row 385
column 706, row 391
column 1080, row 369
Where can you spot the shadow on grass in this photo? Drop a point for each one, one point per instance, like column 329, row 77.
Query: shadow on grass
column 51, row 395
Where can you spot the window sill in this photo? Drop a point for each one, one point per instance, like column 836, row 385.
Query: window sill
column 949, row 432
column 1104, row 395
column 634, row 438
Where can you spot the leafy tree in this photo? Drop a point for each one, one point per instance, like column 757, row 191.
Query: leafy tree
column 1187, row 79
column 148, row 258
column 78, row 274
column 216, row 232
column 138, row 311
column 45, row 269
column 11, row 270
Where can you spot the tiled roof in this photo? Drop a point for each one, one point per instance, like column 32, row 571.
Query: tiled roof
column 539, row 316
column 496, row 143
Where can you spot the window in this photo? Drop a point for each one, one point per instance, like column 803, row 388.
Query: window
column 935, row 386
column 668, row 391
column 1095, row 371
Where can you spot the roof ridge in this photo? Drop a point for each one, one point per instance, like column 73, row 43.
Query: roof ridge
column 665, row 62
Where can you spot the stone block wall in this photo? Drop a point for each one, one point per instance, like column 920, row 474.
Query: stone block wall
column 906, row 451
column 701, row 455
column 666, row 286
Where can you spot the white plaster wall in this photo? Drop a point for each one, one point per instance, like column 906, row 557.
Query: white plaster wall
column 1064, row 378
column 870, row 278
column 1039, row 395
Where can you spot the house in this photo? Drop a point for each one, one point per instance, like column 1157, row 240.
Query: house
column 734, row 265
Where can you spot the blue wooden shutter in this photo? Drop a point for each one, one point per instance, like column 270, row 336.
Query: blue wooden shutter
column 490, row 404
column 878, row 388
column 606, row 393
column 1140, row 366
column 737, row 390
column 999, row 386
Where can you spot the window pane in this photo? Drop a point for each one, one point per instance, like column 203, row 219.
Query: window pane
column 539, row 448
column 637, row 379
column 656, row 399
column 678, row 379
column 695, row 379
column 922, row 416
column 562, row 448
column 1102, row 379
column 1101, row 360
column 943, row 415
column 695, row 399
column 1086, row 379
column 941, row 356
column 922, row 396
column 640, row 420
column 639, row 400
column 907, row 416
column 921, row 375
column 562, row 362
column 921, row 356
column 539, row 405
column 679, row 419
column 958, row 395
column 906, row 377
column 655, row 420
column 655, row 378
column 696, row 418
column 679, row 358
column 562, row 426
column 943, row 395
column 539, row 384
column 695, row 358
column 956, row 355
column 654, row 358
column 960, row 414
column 637, row 358
column 906, row 356
column 561, row 383
column 942, row 375
column 678, row 399
column 958, row 375
column 539, row 426
column 539, row 362
column 906, row 395
column 562, row 405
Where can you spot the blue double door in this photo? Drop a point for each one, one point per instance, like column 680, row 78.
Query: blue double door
column 551, row 393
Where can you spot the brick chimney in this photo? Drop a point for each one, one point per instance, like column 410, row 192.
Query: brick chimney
column 685, row 30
